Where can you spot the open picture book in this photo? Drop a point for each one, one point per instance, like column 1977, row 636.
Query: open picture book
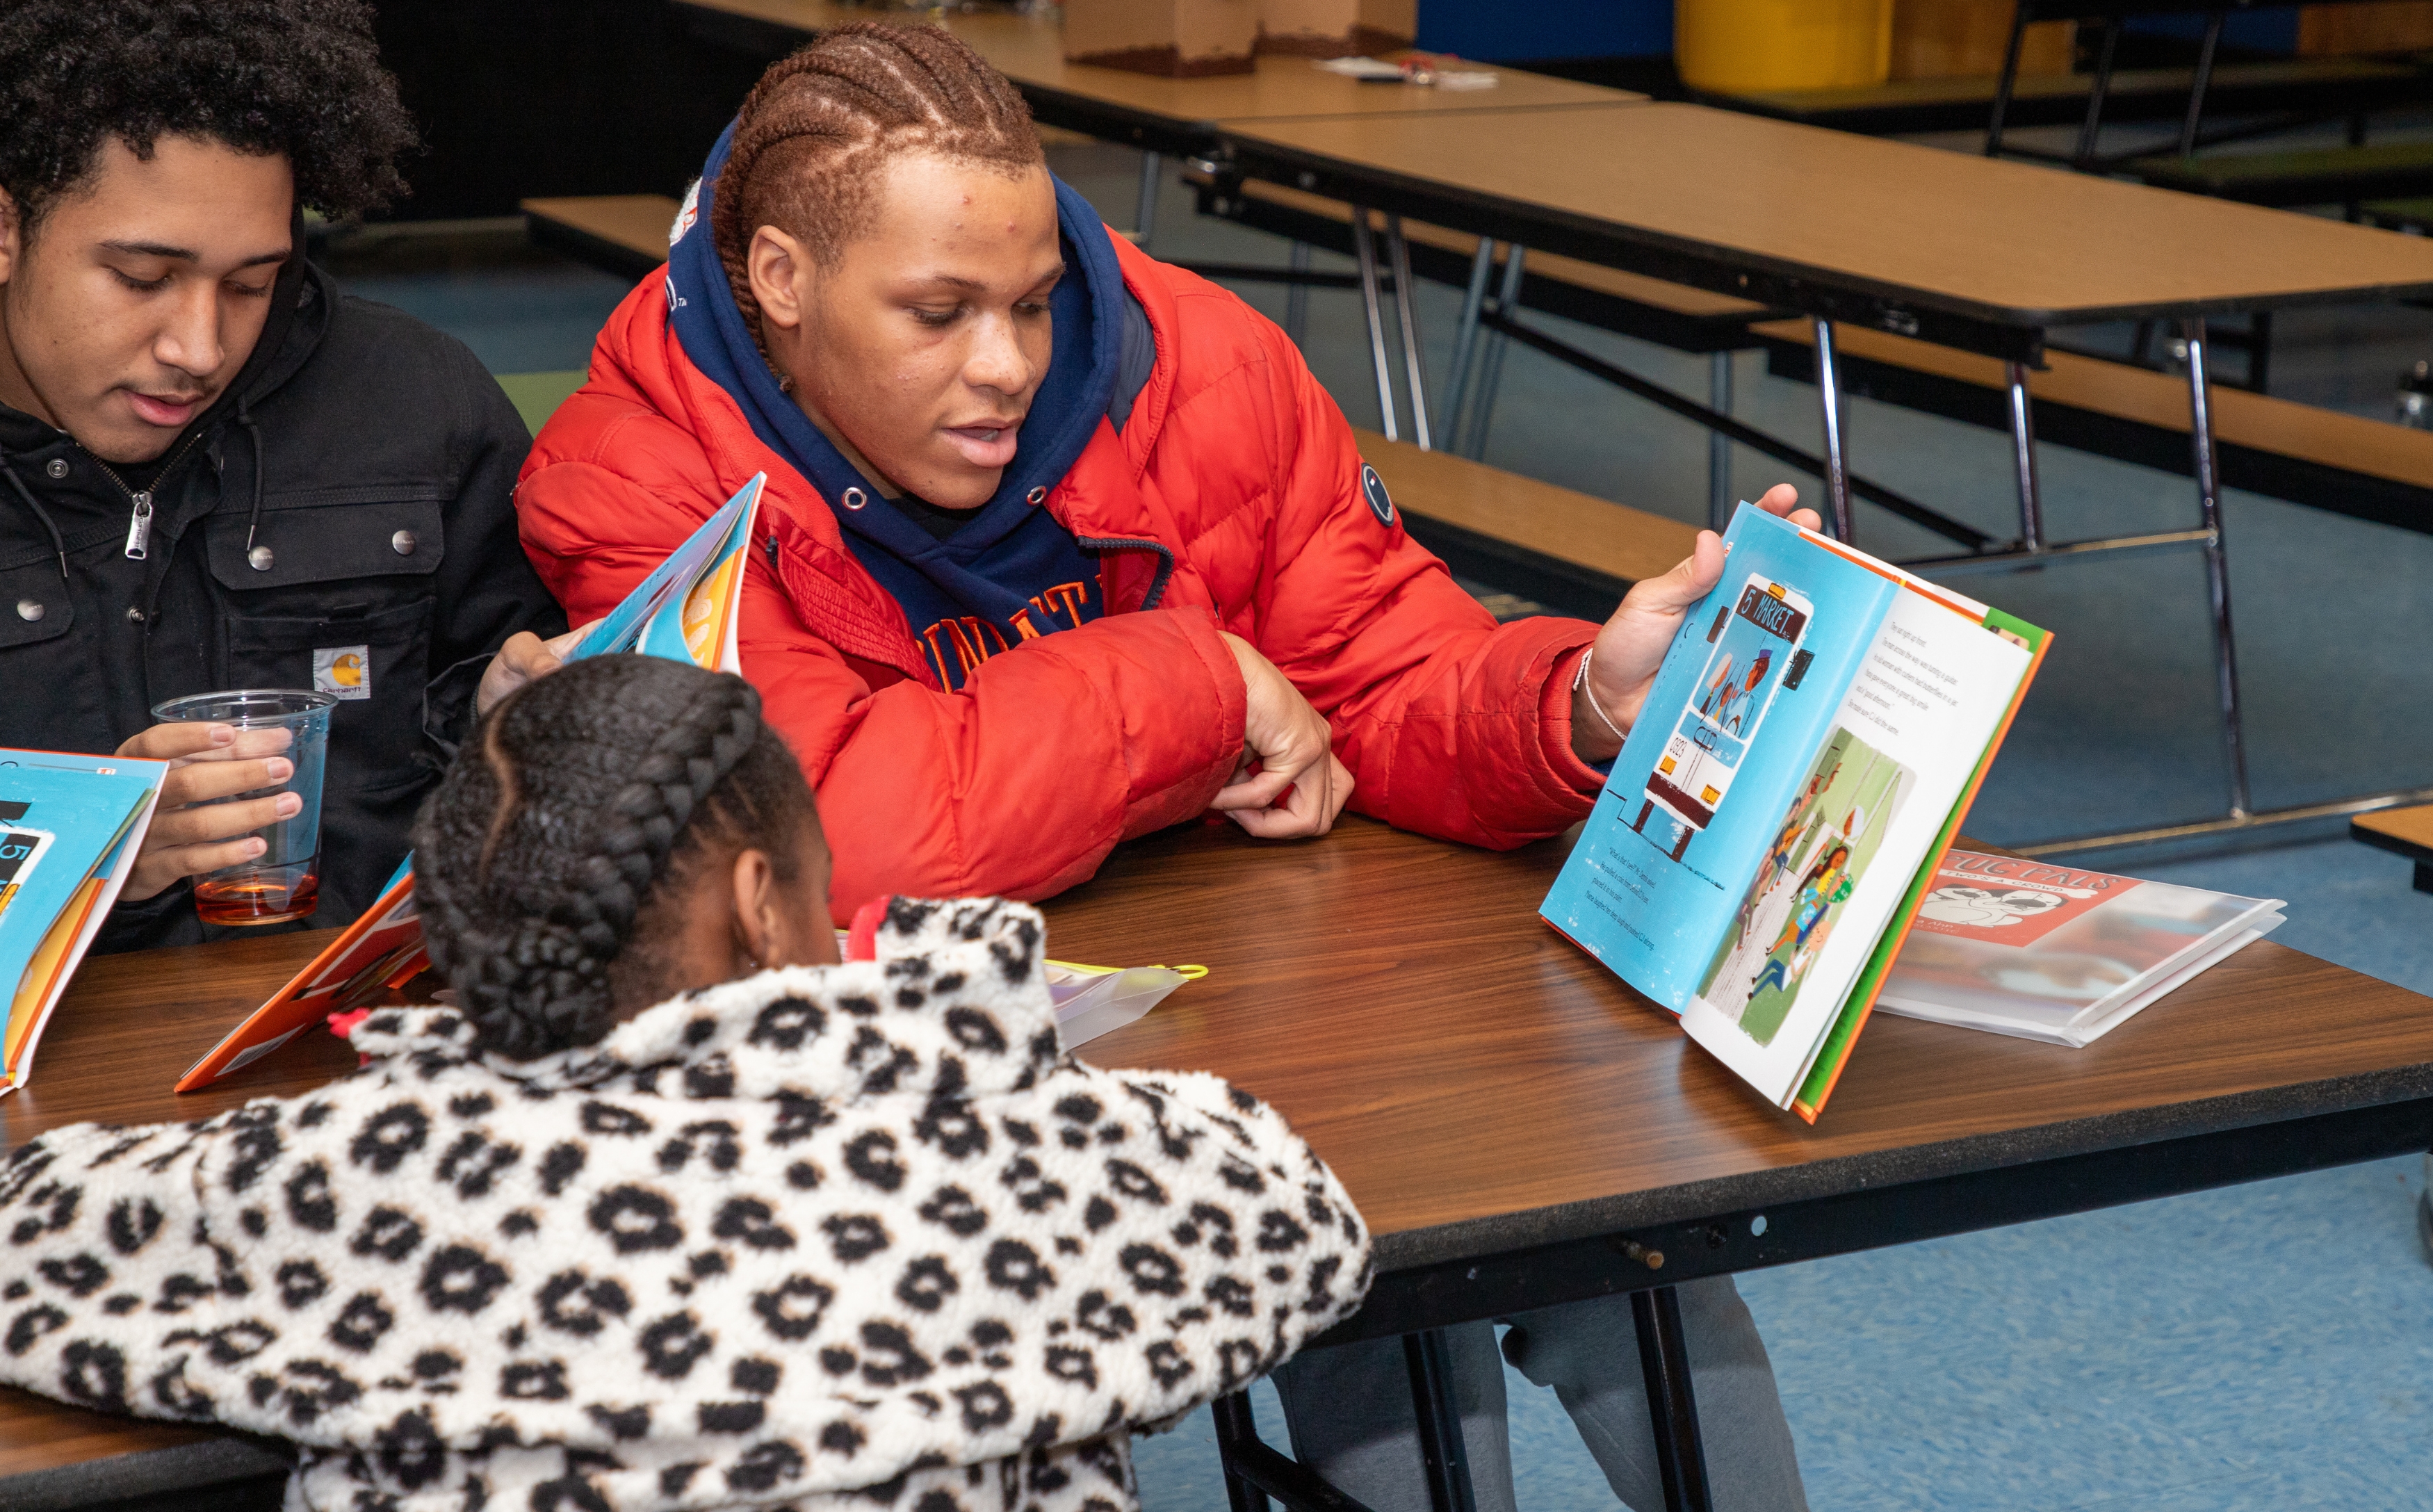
column 1811, row 743
column 70, row 826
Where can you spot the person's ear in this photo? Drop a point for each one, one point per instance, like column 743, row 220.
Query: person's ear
column 758, row 924
column 778, row 264
column 12, row 236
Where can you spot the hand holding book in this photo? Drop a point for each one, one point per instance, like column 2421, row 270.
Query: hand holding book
column 1816, row 729
column 1630, row 651
column 523, row 658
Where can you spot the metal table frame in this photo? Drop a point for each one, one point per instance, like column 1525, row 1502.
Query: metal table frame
column 1828, row 300
column 2112, row 15
column 1722, row 1228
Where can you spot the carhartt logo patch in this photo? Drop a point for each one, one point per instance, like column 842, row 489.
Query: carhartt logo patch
column 1381, row 503
column 345, row 671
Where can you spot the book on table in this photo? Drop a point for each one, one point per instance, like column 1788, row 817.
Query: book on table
column 1812, row 740
column 70, row 826
column 2058, row 953
column 686, row 609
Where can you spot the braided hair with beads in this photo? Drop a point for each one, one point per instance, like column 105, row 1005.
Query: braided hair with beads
column 813, row 134
column 580, row 804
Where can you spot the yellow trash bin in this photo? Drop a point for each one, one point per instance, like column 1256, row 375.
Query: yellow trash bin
column 1743, row 46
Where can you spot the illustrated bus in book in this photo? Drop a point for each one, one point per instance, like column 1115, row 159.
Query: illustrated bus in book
column 1755, row 655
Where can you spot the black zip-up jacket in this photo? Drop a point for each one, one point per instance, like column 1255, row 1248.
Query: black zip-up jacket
column 373, row 461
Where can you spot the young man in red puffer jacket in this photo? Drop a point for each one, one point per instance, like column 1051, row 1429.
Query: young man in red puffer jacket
column 1172, row 509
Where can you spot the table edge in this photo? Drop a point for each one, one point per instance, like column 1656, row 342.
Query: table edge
column 147, row 1472
column 1528, row 1228
column 1591, row 228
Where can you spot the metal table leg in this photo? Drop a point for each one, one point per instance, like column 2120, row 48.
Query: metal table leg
column 1473, row 299
column 1296, row 298
column 1719, row 446
column 1144, row 217
column 1253, row 1471
column 1397, row 255
column 1364, row 246
column 1837, row 464
column 1235, row 1431
column 2023, row 456
column 1508, row 303
column 2091, row 131
column 2233, row 730
column 1443, row 1455
column 2205, row 51
column 2009, row 82
column 1672, row 1410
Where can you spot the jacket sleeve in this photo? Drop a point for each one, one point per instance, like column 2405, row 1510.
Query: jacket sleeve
column 1233, row 1241
column 487, row 588
column 1452, row 724
column 118, row 1297
column 1016, row 785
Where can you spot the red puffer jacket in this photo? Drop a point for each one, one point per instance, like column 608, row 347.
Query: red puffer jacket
column 1234, row 465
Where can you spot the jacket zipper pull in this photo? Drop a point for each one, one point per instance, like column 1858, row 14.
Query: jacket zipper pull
column 139, row 527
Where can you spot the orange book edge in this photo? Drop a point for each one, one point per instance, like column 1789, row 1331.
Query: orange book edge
column 370, row 953
column 45, row 978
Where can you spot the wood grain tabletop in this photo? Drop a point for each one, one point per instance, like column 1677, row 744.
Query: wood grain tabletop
column 2007, row 241
column 1454, row 1059
column 2411, row 827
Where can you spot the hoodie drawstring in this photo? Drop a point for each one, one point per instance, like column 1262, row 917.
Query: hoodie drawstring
column 254, row 518
column 58, row 543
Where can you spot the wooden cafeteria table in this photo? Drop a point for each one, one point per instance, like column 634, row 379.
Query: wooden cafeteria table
column 1516, row 1125
column 1965, row 251
column 1165, row 115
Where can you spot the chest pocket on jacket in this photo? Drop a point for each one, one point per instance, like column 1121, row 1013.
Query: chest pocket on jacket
column 345, row 608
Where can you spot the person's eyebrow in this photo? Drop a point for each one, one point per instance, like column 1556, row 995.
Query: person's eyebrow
column 953, row 281
column 187, row 254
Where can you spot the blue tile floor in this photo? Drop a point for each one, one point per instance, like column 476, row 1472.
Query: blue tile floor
column 2266, row 1346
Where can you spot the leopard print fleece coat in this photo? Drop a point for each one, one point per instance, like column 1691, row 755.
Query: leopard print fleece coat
column 853, row 1236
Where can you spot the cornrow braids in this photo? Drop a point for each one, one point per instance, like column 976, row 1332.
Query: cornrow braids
column 813, row 134
column 542, row 858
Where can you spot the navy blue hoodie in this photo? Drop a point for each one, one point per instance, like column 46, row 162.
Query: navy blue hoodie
column 1011, row 571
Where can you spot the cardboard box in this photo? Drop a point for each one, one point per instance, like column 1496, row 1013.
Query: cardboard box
column 1179, row 39
column 1965, row 39
column 2398, row 26
column 1335, row 28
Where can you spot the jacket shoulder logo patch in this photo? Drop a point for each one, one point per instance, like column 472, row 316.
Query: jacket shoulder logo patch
column 686, row 213
column 1381, row 503
column 345, row 671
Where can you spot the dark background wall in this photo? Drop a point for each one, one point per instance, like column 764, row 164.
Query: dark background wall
column 1501, row 30
column 554, row 97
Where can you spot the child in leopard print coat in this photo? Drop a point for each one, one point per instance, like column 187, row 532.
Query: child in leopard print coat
column 827, row 1235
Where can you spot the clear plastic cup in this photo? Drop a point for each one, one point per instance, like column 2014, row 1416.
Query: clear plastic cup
column 285, row 881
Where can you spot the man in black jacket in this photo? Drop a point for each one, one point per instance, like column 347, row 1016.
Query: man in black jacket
column 216, row 472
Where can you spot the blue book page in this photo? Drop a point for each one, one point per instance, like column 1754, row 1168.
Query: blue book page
column 56, row 822
column 149, row 772
column 1697, row 797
